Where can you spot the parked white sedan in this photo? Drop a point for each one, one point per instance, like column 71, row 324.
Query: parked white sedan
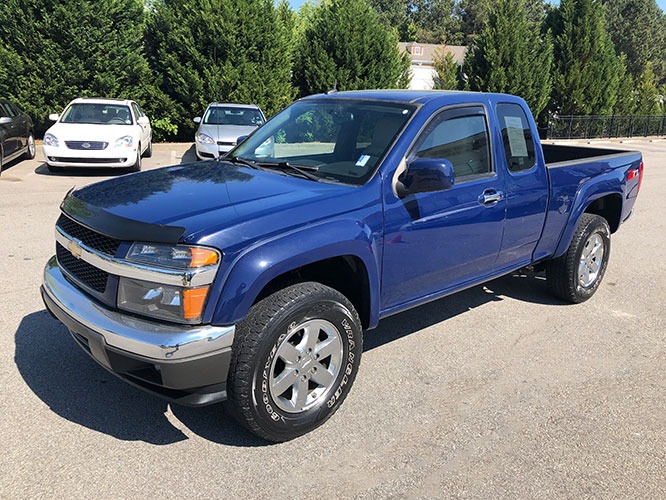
column 105, row 133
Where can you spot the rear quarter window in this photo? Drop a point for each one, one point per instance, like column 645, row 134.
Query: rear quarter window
column 516, row 137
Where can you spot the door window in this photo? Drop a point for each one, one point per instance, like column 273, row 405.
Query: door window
column 7, row 110
column 461, row 136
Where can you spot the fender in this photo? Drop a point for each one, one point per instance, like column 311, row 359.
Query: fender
column 255, row 267
column 606, row 184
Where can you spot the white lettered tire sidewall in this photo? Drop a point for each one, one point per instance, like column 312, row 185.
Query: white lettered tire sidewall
column 268, row 411
column 281, row 313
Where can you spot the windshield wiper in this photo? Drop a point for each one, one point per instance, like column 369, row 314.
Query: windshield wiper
column 285, row 165
column 237, row 160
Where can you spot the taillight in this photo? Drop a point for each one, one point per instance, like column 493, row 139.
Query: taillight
column 636, row 172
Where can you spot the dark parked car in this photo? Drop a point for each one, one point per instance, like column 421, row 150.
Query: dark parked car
column 16, row 133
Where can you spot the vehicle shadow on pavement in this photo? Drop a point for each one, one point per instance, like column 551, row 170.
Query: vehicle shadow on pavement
column 81, row 391
column 522, row 285
column 81, row 172
column 189, row 156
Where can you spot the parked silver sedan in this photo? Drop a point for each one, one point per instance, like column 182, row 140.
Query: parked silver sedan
column 222, row 125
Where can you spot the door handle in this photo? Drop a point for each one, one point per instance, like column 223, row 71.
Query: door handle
column 491, row 197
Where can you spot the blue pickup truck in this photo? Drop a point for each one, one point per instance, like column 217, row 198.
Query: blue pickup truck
column 251, row 278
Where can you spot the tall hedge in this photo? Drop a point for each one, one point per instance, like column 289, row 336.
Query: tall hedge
column 588, row 73
column 344, row 44
column 57, row 50
column 224, row 50
column 512, row 55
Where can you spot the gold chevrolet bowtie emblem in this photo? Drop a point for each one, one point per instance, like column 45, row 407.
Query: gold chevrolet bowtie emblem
column 75, row 248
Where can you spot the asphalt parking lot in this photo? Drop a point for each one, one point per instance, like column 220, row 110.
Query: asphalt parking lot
column 500, row 391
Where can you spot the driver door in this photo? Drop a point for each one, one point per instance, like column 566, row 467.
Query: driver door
column 442, row 240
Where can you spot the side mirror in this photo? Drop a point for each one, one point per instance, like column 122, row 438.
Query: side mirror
column 425, row 175
column 54, row 117
column 5, row 119
column 241, row 139
column 143, row 120
column 197, row 119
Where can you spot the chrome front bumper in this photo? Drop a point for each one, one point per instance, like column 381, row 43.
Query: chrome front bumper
column 157, row 357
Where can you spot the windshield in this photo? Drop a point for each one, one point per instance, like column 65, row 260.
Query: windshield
column 339, row 139
column 107, row 114
column 220, row 115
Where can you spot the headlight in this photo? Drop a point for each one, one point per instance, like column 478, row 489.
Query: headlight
column 204, row 138
column 125, row 141
column 165, row 302
column 50, row 140
column 170, row 302
column 172, row 256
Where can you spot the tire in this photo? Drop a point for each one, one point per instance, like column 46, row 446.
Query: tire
column 576, row 275
column 149, row 150
column 137, row 164
column 32, row 149
column 282, row 337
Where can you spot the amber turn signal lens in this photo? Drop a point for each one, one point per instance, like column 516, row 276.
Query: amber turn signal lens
column 202, row 257
column 193, row 302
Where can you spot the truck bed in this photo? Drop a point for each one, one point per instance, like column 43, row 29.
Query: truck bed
column 555, row 154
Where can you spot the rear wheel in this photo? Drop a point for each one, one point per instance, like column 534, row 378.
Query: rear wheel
column 576, row 275
column 295, row 357
column 149, row 150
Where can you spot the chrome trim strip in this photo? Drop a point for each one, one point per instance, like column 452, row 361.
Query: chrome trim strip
column 135, row 335
column 196, row 277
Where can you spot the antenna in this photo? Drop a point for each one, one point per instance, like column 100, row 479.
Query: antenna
column 334, row 89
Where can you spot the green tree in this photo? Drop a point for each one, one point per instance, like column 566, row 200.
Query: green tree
column 392, row 13
column 637, row 28
column 447, row 71
column 60, row 50
column 588, row 73
column 220, row 51
column 435, row 21
column 345, row 45
column 512, row 55
column 425, row 21
column 648, row 98
column 474, row 15
column 626, row 97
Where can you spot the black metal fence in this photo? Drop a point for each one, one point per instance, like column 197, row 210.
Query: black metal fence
column 590, row 127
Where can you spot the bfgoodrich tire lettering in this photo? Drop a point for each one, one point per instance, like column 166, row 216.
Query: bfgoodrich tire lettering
column 295, row 358
column 576, row 275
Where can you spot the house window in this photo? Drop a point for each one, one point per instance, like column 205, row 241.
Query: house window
column 416, row 51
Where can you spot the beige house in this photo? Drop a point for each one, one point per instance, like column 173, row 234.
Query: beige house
column 423, row 56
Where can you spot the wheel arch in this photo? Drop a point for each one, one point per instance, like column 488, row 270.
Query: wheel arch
column 610, row 208
column 592, row 200
column 349, row 265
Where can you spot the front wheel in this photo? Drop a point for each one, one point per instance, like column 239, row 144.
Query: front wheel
column 32, row 149
column 576, row 275
column 149, row 150
column 295, row 357
column 137, row 164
